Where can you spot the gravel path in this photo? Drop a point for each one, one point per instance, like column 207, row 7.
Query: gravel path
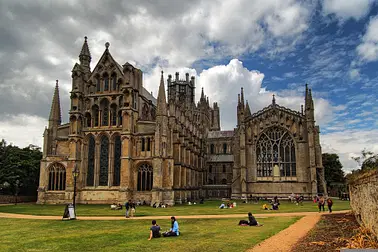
column 287, row 238
column 45, row 217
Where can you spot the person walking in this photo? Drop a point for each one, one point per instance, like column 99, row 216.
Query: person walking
column 321, row 204
column 127, row 206
column 330, row 204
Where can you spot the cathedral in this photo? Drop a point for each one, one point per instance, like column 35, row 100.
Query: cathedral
column 123, row 143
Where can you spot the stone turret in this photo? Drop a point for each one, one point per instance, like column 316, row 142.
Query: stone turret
column 85, row 56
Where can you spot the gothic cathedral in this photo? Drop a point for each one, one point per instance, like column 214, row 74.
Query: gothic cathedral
column 127, row 144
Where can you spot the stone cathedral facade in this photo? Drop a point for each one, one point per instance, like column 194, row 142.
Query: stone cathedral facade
column 127, row 144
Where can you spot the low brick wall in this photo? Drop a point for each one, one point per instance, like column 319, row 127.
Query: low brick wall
column 9, row 199
column 363, row 191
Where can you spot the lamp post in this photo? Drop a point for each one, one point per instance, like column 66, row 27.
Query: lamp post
column 75, row 174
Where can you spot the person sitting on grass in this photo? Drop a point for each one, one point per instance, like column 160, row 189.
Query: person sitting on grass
column 174, row 231
column 222, row 206
column 265, row 207
column 251, row 221
column 154, row 231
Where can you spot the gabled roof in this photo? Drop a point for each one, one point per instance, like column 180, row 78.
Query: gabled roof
column 274, row 106
column 110, row 58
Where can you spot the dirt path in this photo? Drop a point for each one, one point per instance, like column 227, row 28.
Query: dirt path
column 285, row 240
column 44, row 217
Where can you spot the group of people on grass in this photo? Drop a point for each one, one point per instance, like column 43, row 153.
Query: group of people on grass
column 173, row 231
column 227, row 205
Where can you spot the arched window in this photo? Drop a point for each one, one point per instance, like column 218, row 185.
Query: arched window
column 105, row 112
column 95, row 114
column 145, row 113
column 275, row 147
column 114, row 82
column 224, row 181
column 224, row 168
column 98, row 84
column 104, row 161
column 143, row 144
column 57, row 177
column 148, row 144
column 91, row 160
column 212, row 149
column 120, row 118
column 88, row 120
column 145, row 178
column 210, row 169
column 106, row 82
column 117, row 161
column 114, row 115
column 224, row 148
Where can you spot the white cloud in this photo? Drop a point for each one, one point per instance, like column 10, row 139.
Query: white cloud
column 368, row 49
column 354, row 73
column 348, row 144
column 345, row 9
column 22, row 130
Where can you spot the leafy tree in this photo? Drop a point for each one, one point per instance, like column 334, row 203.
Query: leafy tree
column 333, row 169
column 367, row 160
column 19, row 169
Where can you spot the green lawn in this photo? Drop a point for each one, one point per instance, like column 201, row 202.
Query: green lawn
column 210, row 207
column 131, row 235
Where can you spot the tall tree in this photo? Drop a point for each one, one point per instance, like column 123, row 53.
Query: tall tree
column 333, row 169
column 19, row 169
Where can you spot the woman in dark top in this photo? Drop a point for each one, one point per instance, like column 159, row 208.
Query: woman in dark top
column 250, row 222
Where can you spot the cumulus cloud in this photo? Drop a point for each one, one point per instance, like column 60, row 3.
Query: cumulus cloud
column 347, row 9
column 348, row 144
column 368, row 49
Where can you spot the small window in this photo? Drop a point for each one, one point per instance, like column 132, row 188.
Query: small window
column 98, row 85
column 212, row 149
column 224, row 168
column 148, row 144
column 224, row 181
column 114, row 82
column 143, row 144
column 210, row 169
column 224, row 148
column 106, row 83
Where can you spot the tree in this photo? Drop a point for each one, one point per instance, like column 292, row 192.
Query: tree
column 19, row 169
column 333, row 169
column 367, row 160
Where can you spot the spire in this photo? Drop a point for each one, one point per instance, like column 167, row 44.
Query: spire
column 55, row 118
column 161, row 100
column 242, row 96
column 85, row 55
column 247, row 110
column 274, row 100
column 202, row 94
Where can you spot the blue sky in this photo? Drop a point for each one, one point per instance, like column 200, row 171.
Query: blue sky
column 266, row 46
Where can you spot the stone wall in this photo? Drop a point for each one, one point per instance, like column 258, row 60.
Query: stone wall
column 363, row 190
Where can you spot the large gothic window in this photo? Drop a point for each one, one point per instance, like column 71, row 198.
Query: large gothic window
column 117, row 161
column 57, row 177
column 104, row 161
column 91, row 160
column 275, row 148
column 145, row 178
column 98, row 84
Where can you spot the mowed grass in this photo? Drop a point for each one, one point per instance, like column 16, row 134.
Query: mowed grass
column 209, row 207
column 132, row 235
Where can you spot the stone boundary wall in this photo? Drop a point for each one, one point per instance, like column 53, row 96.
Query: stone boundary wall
column 363, row 190
column 8, row 199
